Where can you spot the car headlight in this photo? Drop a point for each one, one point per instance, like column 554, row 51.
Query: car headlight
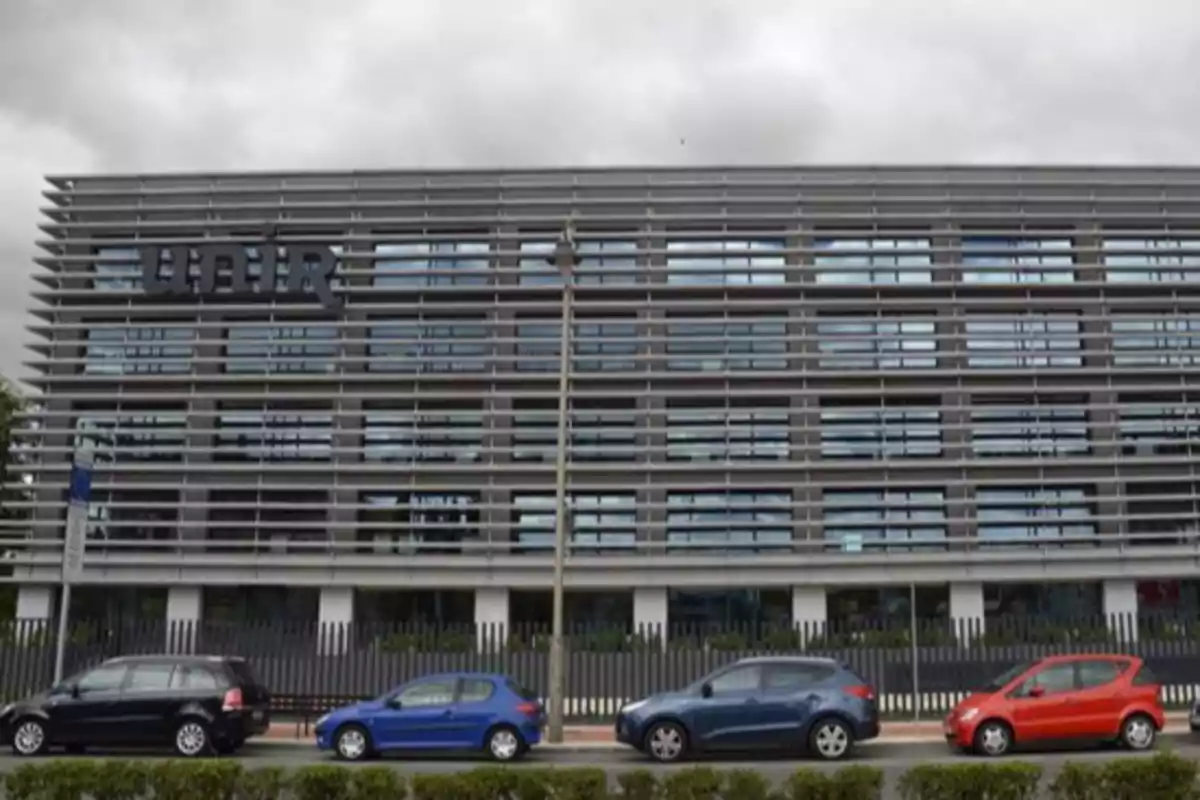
column 322, row 721
column 631, row 707
column 969, row 714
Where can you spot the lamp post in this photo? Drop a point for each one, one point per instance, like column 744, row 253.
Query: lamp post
column 565, row 257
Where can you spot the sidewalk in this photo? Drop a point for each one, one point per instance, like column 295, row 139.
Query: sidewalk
column 602, row 735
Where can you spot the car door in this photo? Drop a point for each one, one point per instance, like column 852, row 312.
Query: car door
column 474, row 711
column 419, row 715
column 146, row 709
column 788, row 699
column 730, row 717
column 1099, row 700
column 1041, row 707
column 89, row 714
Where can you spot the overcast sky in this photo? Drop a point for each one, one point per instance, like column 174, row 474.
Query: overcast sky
column 98, row 85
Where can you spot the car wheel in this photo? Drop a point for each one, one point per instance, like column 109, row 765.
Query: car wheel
column 504, row 744
column 29, row 738
column 1138, row 732
column 831, row 739
column 192, row 739
column 993, row 738
column 666, row 742
column 352, row 743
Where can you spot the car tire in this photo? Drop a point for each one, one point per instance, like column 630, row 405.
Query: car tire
column 830, row 739
column 192, row 739
column 1138, row 732
column 993, row 738
column 666, row 742
column 29, row 737
column 352, row 743
column 504, row 743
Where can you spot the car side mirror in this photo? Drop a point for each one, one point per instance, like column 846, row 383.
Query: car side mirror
column 73, row 690
column 1036, row 691
column 706, row 690
column 394, row 702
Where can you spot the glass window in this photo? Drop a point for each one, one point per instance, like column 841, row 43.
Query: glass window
column 601, row 261
column 853, row 343
column 476, row 691
column 436, row 346
column 430, row 518
column 150, row 678
column 408, row 264
column 706, row 430
column 1023, row 426
column 738, row 679
column 599, row 522
column 886, row 261
column 195, row 679
column 719, row 345
column 893, row 519
column 258, row 436
column 1020, row 514
column 734, row 522
column 1035, row 340
column 1053, row 679
column 1159, row 424
column 448, row 436
column 155, row 437
column 1096, row 672
column 610, row 346
column 102, row 679
column 730, row 262
column 789, row 677
column 117, row 269
column 1161, row 341
column 600, row 433
column 1151, row 260
column 427, row 693
column 136, row 350
column 1005, row 260
column 911, row 429
column 292, row 349
column 720, row 610
column 538, row 345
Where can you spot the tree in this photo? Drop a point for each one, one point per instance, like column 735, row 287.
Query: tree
column 12, row 402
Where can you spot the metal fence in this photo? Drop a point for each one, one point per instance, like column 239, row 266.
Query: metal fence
column 918, row 671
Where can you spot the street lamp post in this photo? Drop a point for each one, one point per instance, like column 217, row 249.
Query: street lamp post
column 565, row 257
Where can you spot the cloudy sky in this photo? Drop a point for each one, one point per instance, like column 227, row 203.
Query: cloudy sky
column 96, row 85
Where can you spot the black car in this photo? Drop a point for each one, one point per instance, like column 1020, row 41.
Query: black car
column 200, row 705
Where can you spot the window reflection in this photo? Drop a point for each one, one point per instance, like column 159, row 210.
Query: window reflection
column 601, row 262
column 604, row 431
column 1019, row 514
column 1151, row 260
column 885, row 261
column 276, row 435
column 292, row 348
column 406, row 264
column 719, row 345
column 137, row 436
column 397, row 436
column 900, row 428
column 704, row 429
column 117, row 269
column 1158, row 341
column 600, row 523
column 734, row 522
column 1035, row 340
column 1006, row 260
column 439, row 523
column 439, row 345
column 852, row 343
column 1159, row 424
column 891, row 519
column 138, row 350
column 731, row 262
column 1023, row 426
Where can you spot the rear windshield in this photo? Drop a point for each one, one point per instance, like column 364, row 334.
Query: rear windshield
column 242, row 671
column 520, row 691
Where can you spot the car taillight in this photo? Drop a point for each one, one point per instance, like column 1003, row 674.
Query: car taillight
column 865, row 692
column 233, row 700
column 529, row 709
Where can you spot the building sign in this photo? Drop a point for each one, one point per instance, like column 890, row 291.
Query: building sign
column 310, row 268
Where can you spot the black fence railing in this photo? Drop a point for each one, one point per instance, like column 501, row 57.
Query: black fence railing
column 919, row 670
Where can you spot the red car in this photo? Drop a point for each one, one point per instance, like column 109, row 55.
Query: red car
column 1061, row 698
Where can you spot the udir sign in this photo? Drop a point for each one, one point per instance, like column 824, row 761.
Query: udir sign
column 310, row 268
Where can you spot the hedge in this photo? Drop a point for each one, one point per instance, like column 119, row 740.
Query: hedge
column 1163, row 777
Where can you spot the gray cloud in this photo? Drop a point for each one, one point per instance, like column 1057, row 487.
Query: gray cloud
column 223, row 84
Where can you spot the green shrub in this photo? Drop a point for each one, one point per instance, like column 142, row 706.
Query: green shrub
column 265, row 783
column 848, row 783
column 696, row 783
column 1007, row 781
column 170, row 780
column 533, row 784
column 640, row 784
column 1166, row 776
column 26, row 782
column 441, row 787
column 120, row 780
column 583, row 783
column 1076, row 781
column 320, row 782
column 745, row 784
column 377, row 783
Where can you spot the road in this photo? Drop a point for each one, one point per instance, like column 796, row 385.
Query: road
column 892, row 758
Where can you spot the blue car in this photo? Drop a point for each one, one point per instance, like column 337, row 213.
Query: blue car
column 492, row 714
column 813, row 705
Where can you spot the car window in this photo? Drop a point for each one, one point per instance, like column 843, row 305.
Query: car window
column 194, row 679
column 794, row 676
column 1052, row 679
column 242, row 672
column 476, row 690
column 1097, row 672
column 738, row 679
column 149, row 678
column 429, row 693
column 102, row 679
column 520, row 691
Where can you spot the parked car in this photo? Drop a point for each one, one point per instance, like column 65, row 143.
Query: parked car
column 1091, row 697
column 199, row 705
column 806, row 704
column 492, row 714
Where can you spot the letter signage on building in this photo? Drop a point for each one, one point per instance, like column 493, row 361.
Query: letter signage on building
column 309, row 269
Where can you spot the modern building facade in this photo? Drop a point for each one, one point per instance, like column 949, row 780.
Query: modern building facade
column 794, row 392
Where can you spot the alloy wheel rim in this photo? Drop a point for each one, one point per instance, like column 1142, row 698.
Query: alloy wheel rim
column 1138, row 733
column 832, row 740
column 666, row 743
column 995, row 740
column 191, row 739
column 29, row 738
column 504, row 745
column 352, row 744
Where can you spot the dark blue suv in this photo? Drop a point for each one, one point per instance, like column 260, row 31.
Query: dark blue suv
column 804, row 704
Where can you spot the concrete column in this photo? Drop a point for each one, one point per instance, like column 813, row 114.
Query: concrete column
column 1121, row 608
column 335, row 615
column 650, row 613
column 810, row 611
column 185, row 606
column 966, row 610
column 491, row 618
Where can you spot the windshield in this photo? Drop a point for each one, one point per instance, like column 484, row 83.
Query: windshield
column 1006, row 677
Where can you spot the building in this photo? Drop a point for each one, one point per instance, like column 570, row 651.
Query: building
column 795, row 392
